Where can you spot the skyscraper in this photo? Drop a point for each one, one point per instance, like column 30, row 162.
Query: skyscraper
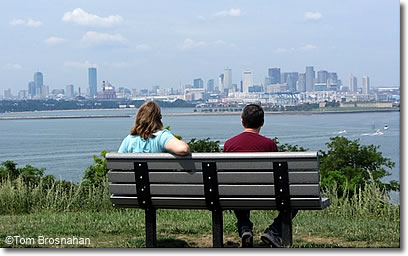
column 39, row 84
column 333, row 77
column 322, row 76
column 69, row 91
column 198, row 83
column 353, row 83
column 210, row 85
column 93, row 89
column 290, row 78
column 365, row 85
column 301, row 84
column 221, row 83
column 227, row 78
column 310, row 78
column 32, row 88
column 274, row 75
column 247, row 80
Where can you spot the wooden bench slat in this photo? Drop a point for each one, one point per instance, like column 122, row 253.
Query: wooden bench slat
column 196, row 165
column 224, row 190
column 225, row 203
column 275, row 156
column 223, row 177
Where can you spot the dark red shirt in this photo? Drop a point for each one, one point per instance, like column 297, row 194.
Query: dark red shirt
column 250, row 142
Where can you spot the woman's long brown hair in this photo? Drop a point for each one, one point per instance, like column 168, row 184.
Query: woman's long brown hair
column 148, row 120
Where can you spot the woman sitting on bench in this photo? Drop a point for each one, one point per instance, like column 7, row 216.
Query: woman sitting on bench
column 148, row 135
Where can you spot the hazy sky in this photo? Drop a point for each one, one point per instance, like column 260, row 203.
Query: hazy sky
column 138, row 44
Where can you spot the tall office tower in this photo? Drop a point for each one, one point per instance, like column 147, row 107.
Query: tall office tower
column 284, row 77
column 290, row 78
column 310, row 78
column 227, row 78
column 291, row 83
column 333, row 77
column 23, row 94
column 7, row 94
column 39, row 83
column 221, row 83
column 210, row 85
column 31, row 88
column 267, row 80
column 301, row 84
column 365, row 85
column 353, row 83
column 69, row 91
column 92, row 80
column 274, row 75
column 198, row 83
column 322, row 76
column 247, row 80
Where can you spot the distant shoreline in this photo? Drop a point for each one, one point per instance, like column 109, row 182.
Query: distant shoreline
column 184, row 114
column 62, row 117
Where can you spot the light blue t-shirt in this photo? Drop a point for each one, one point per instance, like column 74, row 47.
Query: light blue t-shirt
column 136, row 144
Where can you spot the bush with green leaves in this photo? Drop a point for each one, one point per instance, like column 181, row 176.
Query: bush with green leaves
column 96, row 174
column 29, row 174
column 204, row 145
column 349, row 166
column 288, row 148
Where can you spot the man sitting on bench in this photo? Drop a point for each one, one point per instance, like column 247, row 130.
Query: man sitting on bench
column 251, row 141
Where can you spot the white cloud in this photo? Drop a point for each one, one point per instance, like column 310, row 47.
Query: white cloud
column 93, row 37
column 17, row 22
column 79, row 64
column 33, row 23
column 13, row 66
column 231, row 12
column 307, row 47
column 81, row 17
column 190, row 44
column 29, row 23
column 53, row 40
column 223, row 43
column 313, row 15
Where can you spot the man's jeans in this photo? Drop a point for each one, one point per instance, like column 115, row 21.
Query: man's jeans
column 244, row 221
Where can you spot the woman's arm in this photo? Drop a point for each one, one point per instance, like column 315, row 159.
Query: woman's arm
column 177, row 146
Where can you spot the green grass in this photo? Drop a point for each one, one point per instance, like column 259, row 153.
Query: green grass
column 192, row 228
column 29, row 211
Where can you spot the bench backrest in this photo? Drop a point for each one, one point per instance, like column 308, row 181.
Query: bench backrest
column 224, row 180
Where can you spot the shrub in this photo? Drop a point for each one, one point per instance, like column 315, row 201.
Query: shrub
column 204, row 145
column 96, row 174
column 350, row 167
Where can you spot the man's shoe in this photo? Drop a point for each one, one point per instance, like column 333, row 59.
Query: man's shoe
column 247, row 238
column 271, row 237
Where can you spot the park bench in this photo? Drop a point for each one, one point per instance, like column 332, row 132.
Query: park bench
column 281, row 181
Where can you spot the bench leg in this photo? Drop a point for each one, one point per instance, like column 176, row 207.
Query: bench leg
column 287, row 228
column 217, row 225
column 150, row 218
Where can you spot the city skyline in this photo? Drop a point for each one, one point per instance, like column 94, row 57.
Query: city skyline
column 198, row 40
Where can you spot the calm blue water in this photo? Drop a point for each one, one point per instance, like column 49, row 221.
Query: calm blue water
column 65, row 146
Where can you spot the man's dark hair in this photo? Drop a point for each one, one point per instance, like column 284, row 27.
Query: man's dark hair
column 253, row 116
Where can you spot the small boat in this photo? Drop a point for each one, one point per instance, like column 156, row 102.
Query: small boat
column 385, row 126
column 378, row 132
column 341, row 132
